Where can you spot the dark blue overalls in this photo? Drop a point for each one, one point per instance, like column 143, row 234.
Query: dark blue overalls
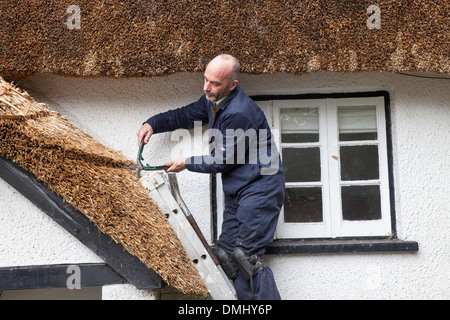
column 252, row 175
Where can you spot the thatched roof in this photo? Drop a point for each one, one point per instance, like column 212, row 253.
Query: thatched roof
column 97, row 181
column 154, row 37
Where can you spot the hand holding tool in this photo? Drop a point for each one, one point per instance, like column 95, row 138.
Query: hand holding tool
column 140, row 166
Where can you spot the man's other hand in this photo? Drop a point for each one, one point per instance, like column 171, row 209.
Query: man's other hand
column 176, row 165
column 145, row 132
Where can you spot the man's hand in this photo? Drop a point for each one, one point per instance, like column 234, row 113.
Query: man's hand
column 145, row 132
column 176, row 165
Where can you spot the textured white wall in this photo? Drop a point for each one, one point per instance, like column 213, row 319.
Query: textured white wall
column 112, row 111
column 30, row 237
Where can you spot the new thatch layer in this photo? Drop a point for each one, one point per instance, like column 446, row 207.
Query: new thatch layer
column 154, row 37
column 95, row 180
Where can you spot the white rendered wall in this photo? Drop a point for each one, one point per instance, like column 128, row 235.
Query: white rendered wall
column 30, row 237
column 112, row 111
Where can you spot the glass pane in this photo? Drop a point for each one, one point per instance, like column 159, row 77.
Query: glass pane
column 359, row 163
column 301, row 164
column 299, row 125
column 303, row 205
column 361, row 203
column 357, row 123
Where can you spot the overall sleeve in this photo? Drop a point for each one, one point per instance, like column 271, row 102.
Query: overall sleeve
column 181, row 118
column 233, row 145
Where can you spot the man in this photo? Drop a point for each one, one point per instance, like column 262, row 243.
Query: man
column 252, row 173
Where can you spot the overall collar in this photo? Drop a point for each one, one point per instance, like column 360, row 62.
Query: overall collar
column 222, row 103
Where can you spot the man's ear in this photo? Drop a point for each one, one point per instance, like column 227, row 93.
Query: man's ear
column 233, row 85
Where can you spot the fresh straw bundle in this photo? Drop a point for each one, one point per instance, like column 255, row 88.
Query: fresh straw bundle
column 95, row 180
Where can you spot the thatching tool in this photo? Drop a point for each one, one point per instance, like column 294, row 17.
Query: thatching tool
column 140, row 166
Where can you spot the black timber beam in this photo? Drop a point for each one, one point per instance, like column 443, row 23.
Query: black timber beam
column 58, row 276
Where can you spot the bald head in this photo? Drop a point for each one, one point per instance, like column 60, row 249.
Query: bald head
column 228, row 62
column 221, row 77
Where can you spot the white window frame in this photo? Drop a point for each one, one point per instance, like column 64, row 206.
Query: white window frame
column 332, row 226
column 311, row 229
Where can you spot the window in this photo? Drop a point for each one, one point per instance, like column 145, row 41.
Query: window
column 334, row 150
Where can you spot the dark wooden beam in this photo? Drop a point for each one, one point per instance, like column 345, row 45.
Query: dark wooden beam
column 57, row 276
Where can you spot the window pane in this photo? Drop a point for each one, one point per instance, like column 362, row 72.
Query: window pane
column 359, row 163
column 301, row 164
column 303, row 205
column 299, row 125
column 361, row 202
column 357, row 123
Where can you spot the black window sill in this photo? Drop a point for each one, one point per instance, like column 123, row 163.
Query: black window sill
column 341, row 245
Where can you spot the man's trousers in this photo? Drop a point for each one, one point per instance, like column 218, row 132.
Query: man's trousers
column 249, row 222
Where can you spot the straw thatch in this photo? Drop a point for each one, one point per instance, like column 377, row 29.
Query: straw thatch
column 146, row 38
column 95, row 180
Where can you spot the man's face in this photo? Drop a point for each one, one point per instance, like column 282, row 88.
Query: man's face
column 218, row 84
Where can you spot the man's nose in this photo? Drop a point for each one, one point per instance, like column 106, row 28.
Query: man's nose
column 206, row 87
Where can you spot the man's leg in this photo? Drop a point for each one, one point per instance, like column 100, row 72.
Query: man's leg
column 255, row 278
column 260, row 286
column 230, row 227
column 250, row 225
column 257, row 214
column 225, row 247
column 264, row 286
